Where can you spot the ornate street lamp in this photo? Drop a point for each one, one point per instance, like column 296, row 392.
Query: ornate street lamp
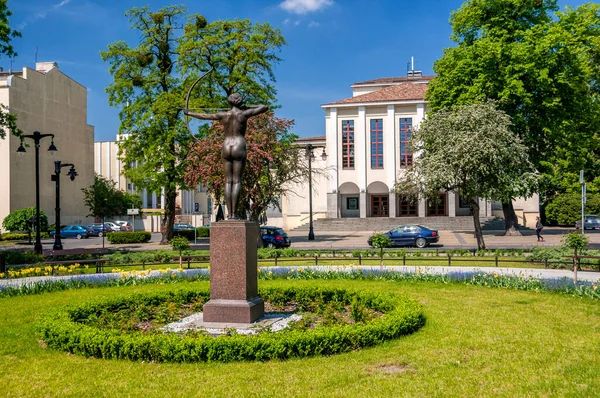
column 36, row 137
column 310, row 155
column 56, row 178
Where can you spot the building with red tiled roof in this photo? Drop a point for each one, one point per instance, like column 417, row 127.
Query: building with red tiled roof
column 367, row 138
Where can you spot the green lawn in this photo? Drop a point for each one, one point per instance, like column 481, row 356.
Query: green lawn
column 477, row 342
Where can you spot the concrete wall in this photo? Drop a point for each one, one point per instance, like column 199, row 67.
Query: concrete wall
column 52, row 103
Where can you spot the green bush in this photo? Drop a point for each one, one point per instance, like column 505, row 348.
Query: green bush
column 203, row 232
column 18, row 220
column 565, row 208
column 65, row 329
column 23, row 257
column 16, row 236
column 128, row 237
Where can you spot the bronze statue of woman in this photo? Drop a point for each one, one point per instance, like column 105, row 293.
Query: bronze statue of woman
column 234, row 123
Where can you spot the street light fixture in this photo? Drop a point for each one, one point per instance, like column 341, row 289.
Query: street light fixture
column 56, row 178
column 310, row 155
column 36, row 137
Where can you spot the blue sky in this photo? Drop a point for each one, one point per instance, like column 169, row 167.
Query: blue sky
column 331, row 44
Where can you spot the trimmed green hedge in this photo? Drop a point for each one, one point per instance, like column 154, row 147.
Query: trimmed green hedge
column 22, row 236
column 128, row 237
column 65, row 329
column 201, row 232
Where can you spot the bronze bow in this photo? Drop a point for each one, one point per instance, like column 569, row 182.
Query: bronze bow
column 187, row 100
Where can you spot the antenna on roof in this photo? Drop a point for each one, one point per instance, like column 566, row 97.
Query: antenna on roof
column 412, row 72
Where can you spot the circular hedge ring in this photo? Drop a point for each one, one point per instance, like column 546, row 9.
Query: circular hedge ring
column 65, row 329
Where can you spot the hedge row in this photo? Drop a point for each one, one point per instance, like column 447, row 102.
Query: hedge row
column 201, row 232
column 21, row 236
column 128, row 237
column 62, row 329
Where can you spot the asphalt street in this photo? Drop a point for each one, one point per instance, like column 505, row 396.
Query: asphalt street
column 358, row 240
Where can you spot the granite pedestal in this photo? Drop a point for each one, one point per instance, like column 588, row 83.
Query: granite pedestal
column 233, row 273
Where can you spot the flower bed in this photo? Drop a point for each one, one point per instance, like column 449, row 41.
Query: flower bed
column 68, row 328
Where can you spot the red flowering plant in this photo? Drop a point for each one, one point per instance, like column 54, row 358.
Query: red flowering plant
column 274, row 165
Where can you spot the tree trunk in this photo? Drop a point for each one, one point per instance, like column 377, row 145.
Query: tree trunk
column 575, row 267
column 474, row 206
column 511, row 222
column 169, row 217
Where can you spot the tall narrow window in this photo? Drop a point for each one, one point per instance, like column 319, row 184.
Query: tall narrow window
column 348, row 144
column 376, row 143
column 405, row 133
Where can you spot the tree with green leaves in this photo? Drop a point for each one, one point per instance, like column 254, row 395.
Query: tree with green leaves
column 541, row 70
column 152, row 80
column 7, row 119
column 472, row 151
column 275, row 163
column 105, row 200
column 23, row 220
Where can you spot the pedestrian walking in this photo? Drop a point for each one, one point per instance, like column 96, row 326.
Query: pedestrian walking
column 538, row 229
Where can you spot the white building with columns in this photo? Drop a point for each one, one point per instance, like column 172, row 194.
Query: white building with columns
column 367, row 135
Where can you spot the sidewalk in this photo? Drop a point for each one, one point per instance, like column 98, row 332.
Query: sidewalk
column 448, row 239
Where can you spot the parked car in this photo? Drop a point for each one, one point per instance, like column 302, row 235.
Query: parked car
column 183, row 227
column 73, row 231
column 113, row 227
column 274, row 237
column 411, row 235
column 591, row 222
column 98, row 229
column 124, row 225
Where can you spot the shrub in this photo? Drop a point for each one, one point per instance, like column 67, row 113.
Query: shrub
column 180, row 243
column 23, row 257
column 565, row 208
column 19, row 220
column 203, row 232
column 65, row 329
column 128, row 237
column 15, row 236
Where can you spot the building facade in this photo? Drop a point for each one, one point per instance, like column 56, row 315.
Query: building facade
column 48, row 101
column 367, row 135
column 192, row 206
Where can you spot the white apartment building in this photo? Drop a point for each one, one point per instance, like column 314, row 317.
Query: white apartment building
column 48, row 101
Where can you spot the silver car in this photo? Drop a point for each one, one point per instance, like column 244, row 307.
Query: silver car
column 591, row 222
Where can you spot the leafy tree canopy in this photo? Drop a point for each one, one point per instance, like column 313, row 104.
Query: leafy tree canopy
column 21, row 220
column 104, row 200
column 7, row 119
column 152, row 79
column 541, row 68
column 472, row 151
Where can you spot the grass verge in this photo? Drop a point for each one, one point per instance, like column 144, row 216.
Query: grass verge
column 478, row 341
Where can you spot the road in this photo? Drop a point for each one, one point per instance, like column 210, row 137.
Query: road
column 339, row 240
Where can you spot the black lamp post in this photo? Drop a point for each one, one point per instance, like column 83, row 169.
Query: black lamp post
column 36, row 137
column 56, row 178
column 310, row 155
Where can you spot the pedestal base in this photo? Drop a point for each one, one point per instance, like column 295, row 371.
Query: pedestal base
column 233, row 273
column 234, row 311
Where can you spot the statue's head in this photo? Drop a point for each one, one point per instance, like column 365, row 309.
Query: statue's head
column 235, row 99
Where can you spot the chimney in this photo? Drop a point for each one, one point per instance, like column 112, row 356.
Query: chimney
column 44, row 67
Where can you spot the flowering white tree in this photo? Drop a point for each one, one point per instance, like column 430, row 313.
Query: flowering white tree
column 472, row 151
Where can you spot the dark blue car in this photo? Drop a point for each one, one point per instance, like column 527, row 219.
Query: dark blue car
column 274, row 237
column 73, row 231
column 411, row 235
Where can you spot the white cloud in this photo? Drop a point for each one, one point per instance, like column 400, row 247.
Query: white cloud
column 313, row 24
column 304, row 6
column 42, row 14
column 286, row 21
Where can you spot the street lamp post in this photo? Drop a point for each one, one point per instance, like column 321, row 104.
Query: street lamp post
column 310, row 155
column 56, row 178
column 36, row 137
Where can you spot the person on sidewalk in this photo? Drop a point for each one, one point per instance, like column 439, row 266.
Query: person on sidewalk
column 538, row 229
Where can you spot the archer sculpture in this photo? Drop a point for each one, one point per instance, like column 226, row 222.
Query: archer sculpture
column 234, row 123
